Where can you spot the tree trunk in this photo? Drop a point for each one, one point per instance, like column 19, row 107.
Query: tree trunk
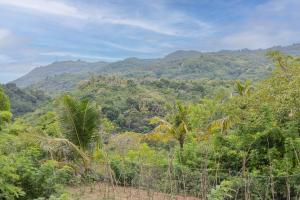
column 181, row 142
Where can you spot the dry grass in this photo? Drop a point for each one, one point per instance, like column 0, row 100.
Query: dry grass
column 102, row 191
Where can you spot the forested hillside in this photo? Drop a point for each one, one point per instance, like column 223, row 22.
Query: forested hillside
column 130, row 103
column 158, row 139
column 24, row 101
column 184, row 65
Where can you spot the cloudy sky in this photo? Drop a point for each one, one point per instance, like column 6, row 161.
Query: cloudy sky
column 38, row 32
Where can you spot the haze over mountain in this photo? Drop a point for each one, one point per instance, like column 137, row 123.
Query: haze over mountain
column 57, row 68
column 225, row 65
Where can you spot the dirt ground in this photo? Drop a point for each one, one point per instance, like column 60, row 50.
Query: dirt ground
column 101, row 191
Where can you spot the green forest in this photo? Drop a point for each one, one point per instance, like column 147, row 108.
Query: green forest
column 155, row 138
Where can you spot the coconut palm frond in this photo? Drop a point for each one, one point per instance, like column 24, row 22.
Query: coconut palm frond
column 57, row 146
column 68, row 120
column 79, row 120
column 178, row 125
column 224, row 124
column 158, row 136
column 239, row 87
column 157, row 120
column 162, row 125
column 243, row 89
column 183, row 127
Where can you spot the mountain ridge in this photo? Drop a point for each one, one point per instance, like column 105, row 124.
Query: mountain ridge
column 180, row 64
column 57, row 68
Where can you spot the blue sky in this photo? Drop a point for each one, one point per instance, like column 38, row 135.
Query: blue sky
column 38, row 32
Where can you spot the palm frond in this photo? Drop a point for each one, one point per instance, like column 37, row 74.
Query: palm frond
column 162, row 125
column 178, row 125
column 223, row 124
column 243, row 89
column 79, row 120
column 68, row 118
column 57, row 146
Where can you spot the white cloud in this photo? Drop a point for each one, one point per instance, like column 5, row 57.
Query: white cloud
column 143, row 24
column 126, row 48
column 45, row 6
column 273, row 23
column 77, row 55
column 255, row 40
column 20, row 68
column 8, row 39
column 279, row 6
column 4, row 33
column 162, row 21
column 5, row 59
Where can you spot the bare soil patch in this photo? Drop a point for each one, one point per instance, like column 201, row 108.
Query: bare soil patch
column 103, row 191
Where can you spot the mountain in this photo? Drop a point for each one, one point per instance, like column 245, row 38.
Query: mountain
column 293, row 49
column 195, row 65
column 181, row 65
column 58, row 68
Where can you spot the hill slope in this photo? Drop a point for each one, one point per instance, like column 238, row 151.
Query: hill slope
column 58, row 68
column 129, row 104
column 223, row 65
column 23, row 101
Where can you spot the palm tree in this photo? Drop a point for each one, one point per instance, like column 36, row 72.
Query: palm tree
column 225, row 123
column 178, row 125
column 243, row 89
column 79, row 120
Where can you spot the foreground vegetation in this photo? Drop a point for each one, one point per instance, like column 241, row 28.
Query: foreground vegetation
column 210, row 142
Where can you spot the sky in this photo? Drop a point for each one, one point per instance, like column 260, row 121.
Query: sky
column 38, row 32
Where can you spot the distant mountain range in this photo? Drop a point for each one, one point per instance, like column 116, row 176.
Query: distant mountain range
column 222, row 65
column 58, row 68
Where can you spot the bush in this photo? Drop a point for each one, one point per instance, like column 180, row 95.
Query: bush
column 5, row 117
column 9, row 179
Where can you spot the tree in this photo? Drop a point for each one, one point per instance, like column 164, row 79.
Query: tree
column 177, row 126
column 5, row 114
column 281, row 60
column 9, row 179
column 4, row 101
column 239, row 102
column 79, row 120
